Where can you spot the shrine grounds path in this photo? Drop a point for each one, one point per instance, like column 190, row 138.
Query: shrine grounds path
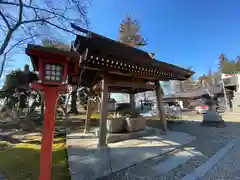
column 209, row 141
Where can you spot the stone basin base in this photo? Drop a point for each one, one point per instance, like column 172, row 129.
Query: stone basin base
column 116, row 137
column 126, row 125
column 218, row 124
column 213, row 119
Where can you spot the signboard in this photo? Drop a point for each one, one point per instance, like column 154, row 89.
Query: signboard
column 225, row 76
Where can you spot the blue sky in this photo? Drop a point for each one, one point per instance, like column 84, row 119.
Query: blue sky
column 189, row 33
column 183, row 32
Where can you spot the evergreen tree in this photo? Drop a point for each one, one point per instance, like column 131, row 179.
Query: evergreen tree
column 238, row 60
column 238, row 64
column 129, row 33
column 226, row 66
column 222, row 62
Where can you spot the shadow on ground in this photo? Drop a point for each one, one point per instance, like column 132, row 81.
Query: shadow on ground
column 89, row 162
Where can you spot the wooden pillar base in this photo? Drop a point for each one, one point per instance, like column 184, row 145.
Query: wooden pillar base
column 90, row 110
column 132, row 101
column 160, row 107
column 103, row 113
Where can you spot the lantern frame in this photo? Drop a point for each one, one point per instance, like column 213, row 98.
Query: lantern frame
column 40, row 56
column 42, row 63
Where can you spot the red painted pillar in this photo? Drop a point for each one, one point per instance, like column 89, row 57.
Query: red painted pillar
column 50, row 97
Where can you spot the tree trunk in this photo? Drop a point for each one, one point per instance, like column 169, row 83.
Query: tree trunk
column 74, row 102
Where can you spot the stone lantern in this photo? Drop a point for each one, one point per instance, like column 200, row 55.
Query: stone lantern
column 212, row 117
column 53, row 67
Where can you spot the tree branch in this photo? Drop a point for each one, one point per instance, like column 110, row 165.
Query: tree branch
column 5, row 54
column 36, row 8
column 20, row 13
column 3, row 64
column 66, row 30
column 5, row 20
column 20, row 41
column 6, row 41
column 31, row 21
column 11, row 30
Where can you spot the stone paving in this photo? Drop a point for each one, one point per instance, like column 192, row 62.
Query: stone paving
column 228, row 168
column 152, row 169
column 86, row 161
column 209, row 140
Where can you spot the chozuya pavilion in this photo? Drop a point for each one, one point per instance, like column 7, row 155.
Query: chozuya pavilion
column 106, row 65
column 111, row 66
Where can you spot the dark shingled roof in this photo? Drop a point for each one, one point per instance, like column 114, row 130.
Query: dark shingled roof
column 194, row 94
column 108, row 49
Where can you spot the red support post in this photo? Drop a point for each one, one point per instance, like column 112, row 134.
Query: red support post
column 50, row 97
column 51, row 88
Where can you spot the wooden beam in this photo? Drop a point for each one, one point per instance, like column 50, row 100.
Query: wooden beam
column 132, row 101
column 126, row 85
column 104, row 112
column 132, row 74
column 160, row 107
column 130, row 83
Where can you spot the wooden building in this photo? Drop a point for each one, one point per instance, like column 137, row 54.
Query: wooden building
column 111, row 66
column 105, row 66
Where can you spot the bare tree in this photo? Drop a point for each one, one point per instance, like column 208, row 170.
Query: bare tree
column 29, row 21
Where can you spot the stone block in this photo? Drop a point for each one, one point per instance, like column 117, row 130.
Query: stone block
column 114, row 137
column 116, row 125
column 136, row 124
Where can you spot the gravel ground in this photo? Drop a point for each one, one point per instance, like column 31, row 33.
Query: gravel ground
column 209, row 140
column 228, row 168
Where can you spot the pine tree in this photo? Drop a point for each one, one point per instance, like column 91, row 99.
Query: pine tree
column 222, row 62
column 210, row 77
column 226, row 66
column 129, row 33
column 238, row 60
column 237, row 68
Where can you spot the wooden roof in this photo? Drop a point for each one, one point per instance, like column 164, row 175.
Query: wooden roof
column 195, row 93
column 97, row 55
column 109, row 55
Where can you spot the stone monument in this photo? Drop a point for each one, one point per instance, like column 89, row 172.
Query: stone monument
column 212, row 117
